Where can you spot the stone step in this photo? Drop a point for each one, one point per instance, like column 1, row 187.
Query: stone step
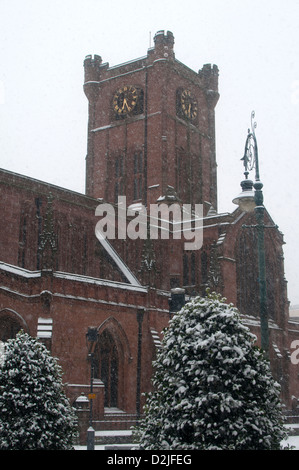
column 292, row 429
column 114, row 437
column 121, row 447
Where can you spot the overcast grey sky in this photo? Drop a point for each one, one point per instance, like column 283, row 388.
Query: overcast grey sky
column 43, row 110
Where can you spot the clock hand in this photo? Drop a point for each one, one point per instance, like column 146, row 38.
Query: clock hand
column 125, row 104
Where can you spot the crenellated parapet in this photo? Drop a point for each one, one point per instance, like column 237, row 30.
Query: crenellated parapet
column 209, row 75
column 92, row 75
column 164, row 45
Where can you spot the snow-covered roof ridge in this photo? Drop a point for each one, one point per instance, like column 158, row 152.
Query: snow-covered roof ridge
column 117, row 259
column 25, row 273
column 19, row 271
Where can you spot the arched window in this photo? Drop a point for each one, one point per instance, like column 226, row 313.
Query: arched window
column 10, row 324
column 189, row 269
column 119, row 177
column 193, row 269
column 204, row 267
column 107, row 367
column 138, row 173
column 182, row 175
column 185, row 270
column 111, row 358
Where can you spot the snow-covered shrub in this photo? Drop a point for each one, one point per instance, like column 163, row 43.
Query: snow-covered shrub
column 34, row 411
column 213, row 388
column 1, row 353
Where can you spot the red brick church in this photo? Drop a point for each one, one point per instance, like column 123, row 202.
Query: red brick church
column 151, row 140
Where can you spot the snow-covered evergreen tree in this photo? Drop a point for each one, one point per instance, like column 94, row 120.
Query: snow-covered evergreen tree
column 213, row 388
column 34, row 411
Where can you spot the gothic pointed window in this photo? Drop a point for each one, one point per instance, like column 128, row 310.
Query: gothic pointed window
column 119, row 177
column 8, row 329
column 189, row 269
column 10, row 325
column 107, row 368
column 204, row 267
column 193, row 269
column 138, row 170
column 22, row 241
column 185, row 270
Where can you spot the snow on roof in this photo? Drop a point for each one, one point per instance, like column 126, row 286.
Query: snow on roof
column 133, row 283
column 116, row 258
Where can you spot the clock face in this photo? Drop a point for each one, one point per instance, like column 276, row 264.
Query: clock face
column 188, row 105
column 125, row 100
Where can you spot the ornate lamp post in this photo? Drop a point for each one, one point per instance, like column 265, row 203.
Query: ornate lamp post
column 249, row 200
column 91, row 340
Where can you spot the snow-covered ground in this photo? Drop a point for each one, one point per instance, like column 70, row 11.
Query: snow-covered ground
column 100, row 447
column 292, row 441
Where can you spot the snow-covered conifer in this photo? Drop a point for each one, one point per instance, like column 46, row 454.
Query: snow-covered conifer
column 213, row 388
column 34, row 411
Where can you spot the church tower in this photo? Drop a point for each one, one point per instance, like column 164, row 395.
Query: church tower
column 151, row 126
